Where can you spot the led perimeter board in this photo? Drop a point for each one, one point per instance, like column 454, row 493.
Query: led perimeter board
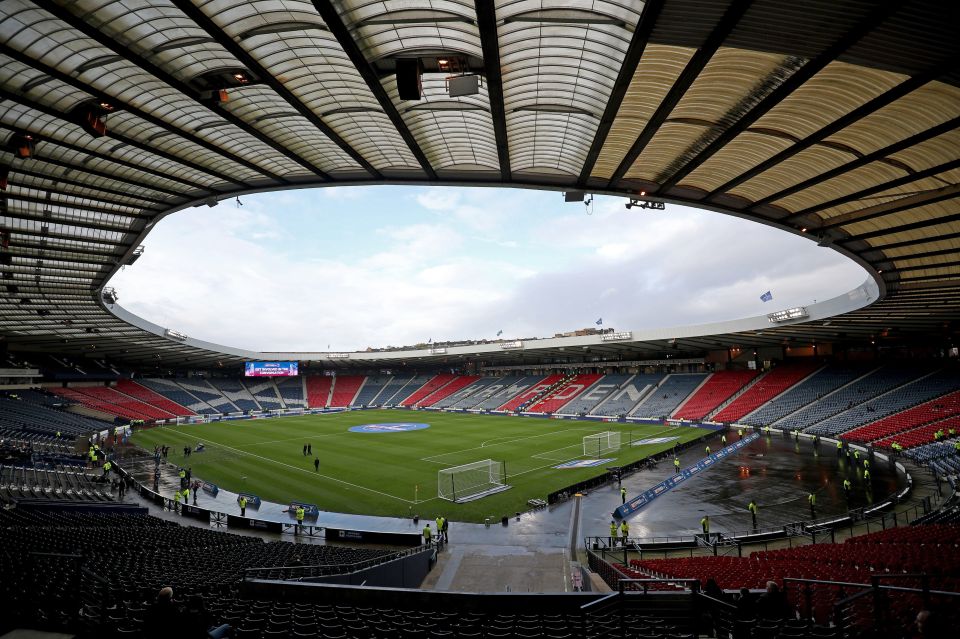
column 271, row 369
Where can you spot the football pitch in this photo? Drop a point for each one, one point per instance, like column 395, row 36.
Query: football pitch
column 393, row 472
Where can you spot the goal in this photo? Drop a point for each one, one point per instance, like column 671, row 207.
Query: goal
column 601, row 443
column 471, row 481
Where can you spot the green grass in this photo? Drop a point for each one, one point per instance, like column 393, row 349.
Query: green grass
column 377, row 473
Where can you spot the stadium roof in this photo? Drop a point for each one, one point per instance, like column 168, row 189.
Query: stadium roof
column 837, row 119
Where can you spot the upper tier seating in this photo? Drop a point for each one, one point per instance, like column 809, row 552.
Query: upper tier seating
column 864, row 389
column 718, row 388
column 910, row 394
column 930, row 411
column 176, row 393
column 564, row 394
column 203, row 390
column 623, row 400
column 264, row 392
column 449, row 389
column 674, row 389
column 499, row 392
column 433, row 385
column 769, row 386
column 318, row 390
column 144, row 394
column 34, row 412
column 109, row 401
column 530, row 393
column 408, row 389
column 370, row 389
column 345, row 388
column 291, row 390
column 599, row 391
column 234, row 390
column 468, row 391
column 821, row 383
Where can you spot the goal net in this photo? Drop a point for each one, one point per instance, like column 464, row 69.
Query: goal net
column 471, row 481
column 601, row 443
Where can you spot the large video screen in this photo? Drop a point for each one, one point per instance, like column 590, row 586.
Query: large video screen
column 271, row 369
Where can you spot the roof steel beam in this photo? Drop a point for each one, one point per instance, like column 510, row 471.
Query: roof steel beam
column 339, row 30
column 19, row 170
column 879, row 154
column 691, row 71
column 890, row 208
column 861, row 29
column 247, row 60
column 130, row 56
column 641, row 36
column 84, row 224
column 80, row 207
column 922, row 224
column 490, row 43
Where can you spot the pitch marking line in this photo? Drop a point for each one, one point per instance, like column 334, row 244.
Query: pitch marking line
column 303, row 470
column 432, row 458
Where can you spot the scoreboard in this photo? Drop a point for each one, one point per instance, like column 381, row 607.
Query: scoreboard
column 271, row 369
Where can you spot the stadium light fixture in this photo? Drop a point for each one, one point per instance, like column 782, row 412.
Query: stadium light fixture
column 787, row 315
column 645, row 204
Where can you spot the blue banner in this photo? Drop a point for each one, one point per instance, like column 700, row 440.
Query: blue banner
column 644, row 498
column 209, row 488
column 309, row 510
column 252, row 500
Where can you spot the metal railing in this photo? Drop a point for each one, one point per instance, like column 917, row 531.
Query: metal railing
column 299, row 573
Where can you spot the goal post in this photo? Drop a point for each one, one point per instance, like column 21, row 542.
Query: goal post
column 471, row 481
column 601, row 443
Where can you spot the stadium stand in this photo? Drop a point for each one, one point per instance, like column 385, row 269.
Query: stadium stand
column 177, row 394
column 413, row 384
column 31, row 411
column 203, row 390
column 345, row 388
column 531, row 393
column 596, row 393
column 448, row 389
column 264, row 391
column 233, row 389
column 144, row 394
column 809, row 390
column 889, row 402
column 933, row 410
column 434, row 384
column 51, row 482
column 765, row 389
column 109, row 401
column 631, row 393
column 674, row 389
column 564, row 394
column 718, row 388
column 392, row 388
column 291, row 390
column 372, row 386
column 924, row 434
column 859, row 392
column 500, row 391
column 318, row 390
column 464, row 394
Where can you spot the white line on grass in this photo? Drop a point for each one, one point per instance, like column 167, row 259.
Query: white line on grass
column 314, row 474
column 432, row 458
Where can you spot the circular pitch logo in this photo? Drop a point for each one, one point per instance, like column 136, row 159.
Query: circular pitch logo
column 390, row 427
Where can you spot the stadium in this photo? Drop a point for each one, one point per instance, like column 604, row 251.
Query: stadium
column 787, row 474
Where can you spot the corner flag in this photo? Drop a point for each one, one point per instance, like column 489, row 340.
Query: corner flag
column 766, row 297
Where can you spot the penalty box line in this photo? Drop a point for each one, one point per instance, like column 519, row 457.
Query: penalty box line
column 303, row 470
column 432, row 458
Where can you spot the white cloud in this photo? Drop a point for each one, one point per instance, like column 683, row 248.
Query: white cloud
column 251, row 277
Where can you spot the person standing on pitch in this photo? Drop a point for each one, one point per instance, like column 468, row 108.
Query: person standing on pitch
column 708, row 451
column 613, row 533
column 812, row 500
column 752, row 507
column 723, row 439
column 623, row 495
column 676, row 465
column 243, row 506
column 705, row 524
column 439, row 522
column 309, row 449
column 624, row 532
column 445, row 530
column 427, row 535
column 846, row 488
column 316, row 464
column 304, row 450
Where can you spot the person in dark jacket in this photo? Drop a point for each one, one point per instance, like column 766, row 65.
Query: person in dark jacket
column 162, row 618
column 772, row 605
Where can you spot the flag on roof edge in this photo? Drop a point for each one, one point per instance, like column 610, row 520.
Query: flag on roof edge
column 766, row 297
column 600, row 322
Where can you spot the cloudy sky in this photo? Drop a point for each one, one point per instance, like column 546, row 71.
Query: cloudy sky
column 352, row 267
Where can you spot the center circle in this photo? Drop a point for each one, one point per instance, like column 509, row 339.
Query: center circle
column 389, row 427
